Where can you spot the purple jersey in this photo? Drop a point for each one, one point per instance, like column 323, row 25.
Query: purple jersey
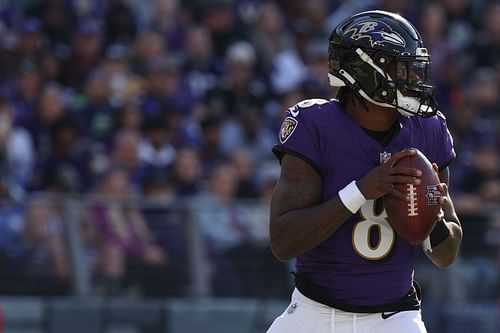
column 364, row 262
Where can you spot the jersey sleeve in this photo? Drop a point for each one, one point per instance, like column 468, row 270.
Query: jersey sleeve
column 443, row 151
column 299, row 135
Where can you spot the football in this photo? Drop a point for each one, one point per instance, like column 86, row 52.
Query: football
column 413, row 220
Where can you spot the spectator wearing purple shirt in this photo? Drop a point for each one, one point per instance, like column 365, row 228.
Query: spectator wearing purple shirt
column 85, row 54
column 124, row 154
column 125, row 244
column 25, row 98
column 67, row 166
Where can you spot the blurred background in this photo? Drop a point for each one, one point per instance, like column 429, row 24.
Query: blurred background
column 136, row 165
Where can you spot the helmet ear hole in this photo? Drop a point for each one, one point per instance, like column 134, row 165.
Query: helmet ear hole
column 382, row 60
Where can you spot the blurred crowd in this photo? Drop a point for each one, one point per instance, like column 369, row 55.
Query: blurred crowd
column 168, row 99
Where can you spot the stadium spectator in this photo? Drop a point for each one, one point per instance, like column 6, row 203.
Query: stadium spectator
column 127, row 253
column 26, row 92
column 433, row 23
column 462, row 17
column 84, row 55
column 56, row 20
column 128, row 117
column 239, row 99
column 487, row 47
column 225, row 228
column 12, row 249
column 471, row 130
column 248, row 132
column 209, row 143
column 30, row 44
column 199, row 68
column 315, row 13
column 67, row 161
column 159, row 187
column 123, row 85
column 17, row 156
column 481, row 183
column 120, row 23
column 167, row 218
column 9, row 71
column 244, row 167
column 313, row 84
column 50, row 66
column 48, row 269
column 148, row 48
column 156, row 148
column 165, row 89
column 220, row 17
column 270, row 35
column 125, row 154
column 231, row 231
column 492, row 237
column 50, row 108
column 33, row 250
column 187, row 172
column 94, row 112
column 288, row 68
column 485, row 92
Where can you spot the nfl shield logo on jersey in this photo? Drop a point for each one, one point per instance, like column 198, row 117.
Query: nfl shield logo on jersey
column 384, row 157
column 287, row 128
column 291, row 308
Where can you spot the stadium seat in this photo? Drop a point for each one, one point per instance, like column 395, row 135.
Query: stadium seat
column 134, row 316
column 268, row 311
column 75, row 315
column 472, row 318
column 223, row 315
column 121, row 329
column 23, row 314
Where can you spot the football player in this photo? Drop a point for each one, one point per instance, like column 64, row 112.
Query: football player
column 353, row 272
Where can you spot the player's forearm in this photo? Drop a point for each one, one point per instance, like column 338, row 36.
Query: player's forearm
column 300, row 230
column 446, row 252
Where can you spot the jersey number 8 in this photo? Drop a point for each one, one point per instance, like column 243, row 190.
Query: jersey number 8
column 373, row 238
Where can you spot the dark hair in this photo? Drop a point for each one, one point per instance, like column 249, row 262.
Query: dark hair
column 343, row 95
column 61, row 124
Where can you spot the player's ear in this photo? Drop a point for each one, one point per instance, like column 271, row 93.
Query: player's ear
column 435, row 167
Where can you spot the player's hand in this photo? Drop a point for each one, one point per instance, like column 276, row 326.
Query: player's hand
column 442, row 187
column 443, row 190
column 379, row 181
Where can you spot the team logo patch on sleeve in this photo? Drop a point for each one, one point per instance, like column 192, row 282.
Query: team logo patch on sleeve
column 287, row 128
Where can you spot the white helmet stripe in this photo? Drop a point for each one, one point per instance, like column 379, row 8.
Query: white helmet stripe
column 366, row 58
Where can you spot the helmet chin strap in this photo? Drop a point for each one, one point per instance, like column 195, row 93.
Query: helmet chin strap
column 406, row 105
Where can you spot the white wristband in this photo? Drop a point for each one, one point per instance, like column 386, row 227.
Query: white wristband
column 351, row 197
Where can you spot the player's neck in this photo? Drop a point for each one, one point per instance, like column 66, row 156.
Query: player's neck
column 376, row 118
